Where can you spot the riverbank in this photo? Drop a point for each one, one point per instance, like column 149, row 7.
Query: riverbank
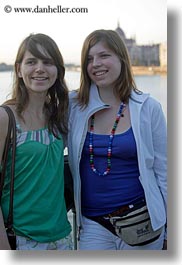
column 137, row 70
column 150, row 70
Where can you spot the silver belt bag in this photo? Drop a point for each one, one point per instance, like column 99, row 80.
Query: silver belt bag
column 134, row 227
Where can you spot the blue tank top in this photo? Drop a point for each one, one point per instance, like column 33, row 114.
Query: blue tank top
column 104, row 194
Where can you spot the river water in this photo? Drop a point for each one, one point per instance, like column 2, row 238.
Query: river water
column 156, row 85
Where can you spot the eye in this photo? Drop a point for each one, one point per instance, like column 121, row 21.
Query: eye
column 89, row 60
column 105, row 55
column 30, row 61
column 48, row 62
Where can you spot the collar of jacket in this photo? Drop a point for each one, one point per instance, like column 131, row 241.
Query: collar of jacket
column 139, row 97
column 96, row 102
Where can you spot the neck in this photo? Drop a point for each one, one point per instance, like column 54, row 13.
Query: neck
column 35, row 111
column 36, row 103
column 108, row 96
column 34, row 116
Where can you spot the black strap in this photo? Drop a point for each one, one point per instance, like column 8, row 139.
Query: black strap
column 4, row 157
column 10, row 144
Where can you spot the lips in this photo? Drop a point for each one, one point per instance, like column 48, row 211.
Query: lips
column 100, row 73
column 40, row 78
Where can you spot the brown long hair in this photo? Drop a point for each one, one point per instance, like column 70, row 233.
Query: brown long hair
column 56, row 104
column 125, row 82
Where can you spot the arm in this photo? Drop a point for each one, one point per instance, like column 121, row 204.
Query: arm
column 159, row 132
column 4, row 244
column 4, row 119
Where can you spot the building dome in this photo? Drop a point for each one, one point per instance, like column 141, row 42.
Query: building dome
column 120, row 32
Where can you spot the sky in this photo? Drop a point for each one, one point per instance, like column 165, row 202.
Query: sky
column 143, row 19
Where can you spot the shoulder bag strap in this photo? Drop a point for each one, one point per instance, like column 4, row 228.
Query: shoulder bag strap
column 5, row 156
column 9, row 144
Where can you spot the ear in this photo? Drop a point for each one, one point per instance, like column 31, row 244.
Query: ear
column 18, row 70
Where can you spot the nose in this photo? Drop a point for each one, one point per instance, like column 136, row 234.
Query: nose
column 96, row 61
column 40, row 67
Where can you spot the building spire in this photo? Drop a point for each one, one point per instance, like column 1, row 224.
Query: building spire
column 118, row 24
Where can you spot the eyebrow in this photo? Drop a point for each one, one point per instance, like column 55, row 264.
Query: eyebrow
column 100, row 53
column 35, row 58
column 30, row 58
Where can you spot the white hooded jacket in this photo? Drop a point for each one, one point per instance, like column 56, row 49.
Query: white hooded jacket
column 149, row 128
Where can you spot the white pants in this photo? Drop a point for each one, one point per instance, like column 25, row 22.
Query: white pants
column 94, row 236
column 23, row 243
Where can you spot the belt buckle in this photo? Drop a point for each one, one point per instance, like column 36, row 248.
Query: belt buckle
column 120, row 211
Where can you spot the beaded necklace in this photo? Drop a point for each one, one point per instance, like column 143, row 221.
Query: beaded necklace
column 111, row 137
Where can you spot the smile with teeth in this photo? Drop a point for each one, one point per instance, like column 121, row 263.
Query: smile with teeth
column 100, row 73
column 39, row 78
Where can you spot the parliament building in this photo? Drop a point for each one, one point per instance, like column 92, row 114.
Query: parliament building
column 144, row 55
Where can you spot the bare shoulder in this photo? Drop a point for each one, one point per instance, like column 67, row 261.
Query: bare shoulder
column 4, row 120
column 3, row 116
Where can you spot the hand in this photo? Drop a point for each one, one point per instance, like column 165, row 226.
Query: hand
column 164, row 245
column 4, row 244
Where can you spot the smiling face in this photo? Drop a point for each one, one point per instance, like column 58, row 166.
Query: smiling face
column 104, row 66
column 38, row 74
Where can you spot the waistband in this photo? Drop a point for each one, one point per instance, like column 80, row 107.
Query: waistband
column 126, row 208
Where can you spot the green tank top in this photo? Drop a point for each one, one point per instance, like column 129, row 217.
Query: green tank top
column 39, row 210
